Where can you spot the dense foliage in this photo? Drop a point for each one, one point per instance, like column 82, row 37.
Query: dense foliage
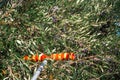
column 86, row 27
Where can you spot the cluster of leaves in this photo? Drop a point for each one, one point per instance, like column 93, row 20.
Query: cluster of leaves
column 50, row 26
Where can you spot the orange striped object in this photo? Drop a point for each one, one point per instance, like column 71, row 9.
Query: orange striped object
column 57, row 56
column 36, row 57
column 26, row 57
column 72, row 56
column 60, row 56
